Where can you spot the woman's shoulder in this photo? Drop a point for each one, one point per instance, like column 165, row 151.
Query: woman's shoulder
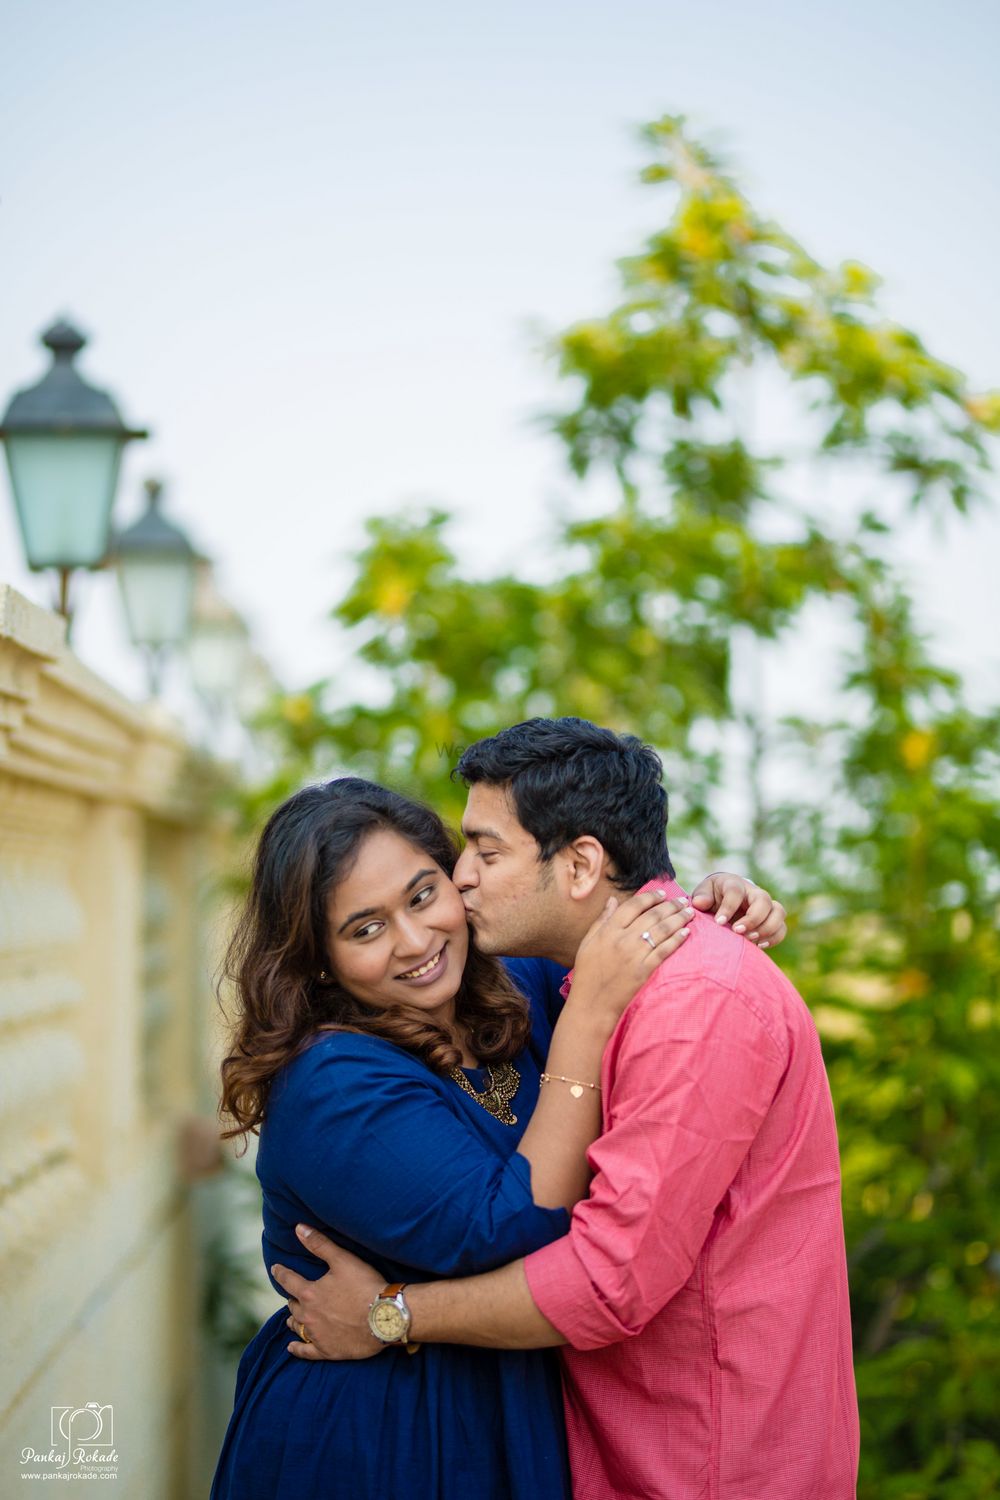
column 332, row 1045
column 540, row 980
column 534, row 976
column 335, row 1057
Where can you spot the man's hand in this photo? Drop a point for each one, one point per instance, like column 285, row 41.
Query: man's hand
column 333, row 1310
column 757, row 917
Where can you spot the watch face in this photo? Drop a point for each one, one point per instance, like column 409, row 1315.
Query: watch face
column 387, row 1321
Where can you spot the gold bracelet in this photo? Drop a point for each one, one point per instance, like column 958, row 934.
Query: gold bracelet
column 576, row 1087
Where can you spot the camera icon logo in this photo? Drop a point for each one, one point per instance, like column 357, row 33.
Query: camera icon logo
column 90, row 1426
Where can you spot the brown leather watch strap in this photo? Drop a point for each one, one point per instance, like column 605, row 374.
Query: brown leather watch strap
column 393, row 1290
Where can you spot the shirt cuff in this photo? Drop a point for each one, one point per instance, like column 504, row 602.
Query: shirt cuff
column 563, row 1292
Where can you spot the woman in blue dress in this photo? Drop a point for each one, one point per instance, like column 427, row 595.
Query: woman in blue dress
column 393, row 1075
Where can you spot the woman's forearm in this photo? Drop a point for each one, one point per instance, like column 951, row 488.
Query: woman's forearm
column 615, row 958
column 567, row 1118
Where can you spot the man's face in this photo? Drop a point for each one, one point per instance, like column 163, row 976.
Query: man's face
column 515, row 904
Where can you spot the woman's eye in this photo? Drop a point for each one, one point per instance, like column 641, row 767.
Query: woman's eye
column 423, row 896
column 368, row 929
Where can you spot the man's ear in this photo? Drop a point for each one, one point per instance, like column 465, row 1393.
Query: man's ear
column 586, row 862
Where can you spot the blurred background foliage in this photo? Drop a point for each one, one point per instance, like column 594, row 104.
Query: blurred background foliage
column 877, row 820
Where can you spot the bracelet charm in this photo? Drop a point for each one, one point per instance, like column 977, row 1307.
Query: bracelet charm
column 576, row 1087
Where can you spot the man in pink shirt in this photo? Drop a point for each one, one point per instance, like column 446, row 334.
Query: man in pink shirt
column 702, row 1289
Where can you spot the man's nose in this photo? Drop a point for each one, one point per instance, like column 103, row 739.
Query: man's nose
column 464, row 874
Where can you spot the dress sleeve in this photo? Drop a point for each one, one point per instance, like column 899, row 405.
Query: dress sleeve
column 369, row 1146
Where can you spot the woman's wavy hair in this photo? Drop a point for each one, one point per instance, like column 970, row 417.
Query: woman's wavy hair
column 280, row 948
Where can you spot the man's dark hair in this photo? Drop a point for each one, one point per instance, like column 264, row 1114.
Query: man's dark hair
column 568, row 777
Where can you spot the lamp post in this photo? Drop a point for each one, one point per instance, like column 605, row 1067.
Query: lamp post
column 64, row 441
column 156, row 565
column 218, row 647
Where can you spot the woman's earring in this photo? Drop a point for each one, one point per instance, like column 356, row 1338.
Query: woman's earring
column 324, row 976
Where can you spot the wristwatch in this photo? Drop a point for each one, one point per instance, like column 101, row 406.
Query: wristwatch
column 389, row 1316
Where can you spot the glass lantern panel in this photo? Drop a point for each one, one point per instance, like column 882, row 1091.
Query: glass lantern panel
column 217, row 655
column 63, row 490
column 157, row 594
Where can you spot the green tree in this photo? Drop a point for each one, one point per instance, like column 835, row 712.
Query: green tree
column 897, row 950
column 886, row 846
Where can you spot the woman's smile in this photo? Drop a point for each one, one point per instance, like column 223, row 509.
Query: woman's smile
column 429, row 972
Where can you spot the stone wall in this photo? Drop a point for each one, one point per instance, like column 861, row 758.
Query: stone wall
column 108, row 857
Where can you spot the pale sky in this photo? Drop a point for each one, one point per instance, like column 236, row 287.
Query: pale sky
column 311, row 243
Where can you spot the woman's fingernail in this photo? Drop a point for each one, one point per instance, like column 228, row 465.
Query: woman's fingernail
column 684, row 932
column 765, row 944
column 302, row 1232
column 740, row 927
column 720, row 918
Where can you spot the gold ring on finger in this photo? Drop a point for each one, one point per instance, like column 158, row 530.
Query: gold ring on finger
column 304, row 1335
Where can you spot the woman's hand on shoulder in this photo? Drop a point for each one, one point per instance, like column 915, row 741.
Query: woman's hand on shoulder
column 748, row 907
column 628, row 941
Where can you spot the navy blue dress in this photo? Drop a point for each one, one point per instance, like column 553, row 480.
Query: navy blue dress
column 402, row 1167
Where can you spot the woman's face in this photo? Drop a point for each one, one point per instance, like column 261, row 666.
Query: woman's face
column 397, row 930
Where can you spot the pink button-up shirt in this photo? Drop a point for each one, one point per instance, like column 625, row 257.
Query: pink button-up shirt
column 703, row 1284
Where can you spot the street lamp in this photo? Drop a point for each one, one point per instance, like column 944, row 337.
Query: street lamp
column 257, row 686
column 218, row 647
column 155, row 564
column 64, row 441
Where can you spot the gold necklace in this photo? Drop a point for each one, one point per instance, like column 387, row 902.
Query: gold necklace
column 495, row 1098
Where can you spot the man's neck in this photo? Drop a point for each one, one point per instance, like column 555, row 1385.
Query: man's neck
column 562, row 946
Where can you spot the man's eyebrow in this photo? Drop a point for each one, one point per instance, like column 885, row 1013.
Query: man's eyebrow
column 371, row 911
column 472, row 834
